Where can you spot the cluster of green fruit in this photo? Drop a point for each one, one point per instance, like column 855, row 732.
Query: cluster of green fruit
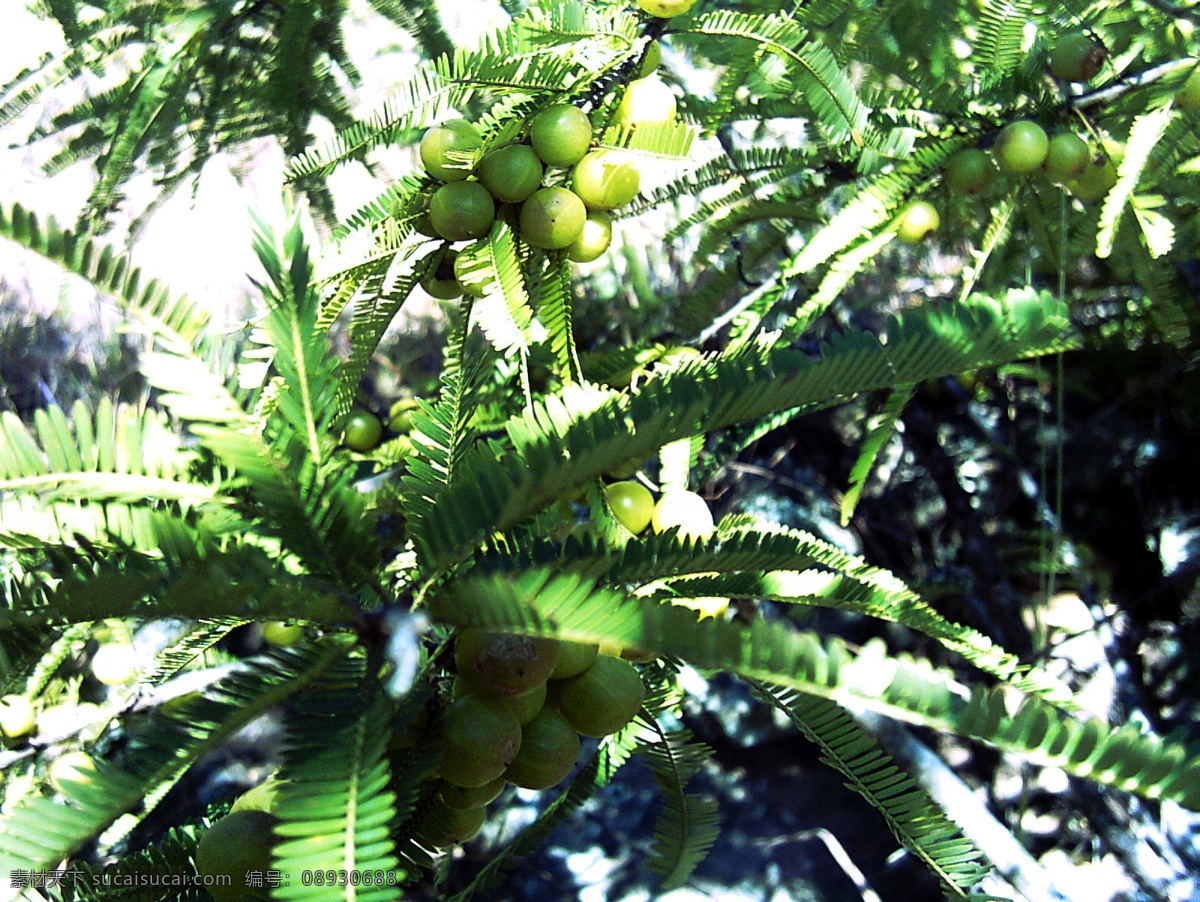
column 520, row 706
column 363, row 430
column 634, row 507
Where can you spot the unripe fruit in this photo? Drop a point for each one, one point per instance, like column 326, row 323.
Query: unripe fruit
column 1067, row 157
column 646, row 100
column 477, row 282
column 1076, row 57
column 552, row 218
column 684, row 509
column 461, row 210
column 447, row 826
column 916, row 221
column 511, row 173
column 1188, row 97
column 666, row 9
column 71, row 767
column 603, row 698
column 437, row 145
column 440, row 283
column 594, row 239
column 362, row 431
column 16, row 716
column 1021, row 147
column 560, row 134
column 605, row 180
column 524, row 706
column 480, row 737
column 549, row 749
column 1095, row 182
column 652, row 60
column 400, row 414
column 501, row 663
column 459, row 797
column 970, row 172
column 574, row 658
column 233, row 846
column 281, row 634
column 631, row 504
column 114, row 663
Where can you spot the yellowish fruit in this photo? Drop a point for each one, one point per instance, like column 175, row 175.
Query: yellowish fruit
column 71, row 767
column 16, row 716
column 646, row 100
column 114, row 663
column 666, row 9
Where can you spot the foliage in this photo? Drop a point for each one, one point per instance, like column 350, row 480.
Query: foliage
column 226, row 495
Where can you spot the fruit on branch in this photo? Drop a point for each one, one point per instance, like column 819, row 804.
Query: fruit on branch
column 651, row 60
column 233, row 846
column 552, row 218
column 461, row 210
column 442, row 145
column 1020, row 147
column 282, row 633
column 511, row 173
column 524, row 705
column 1077, row 58
column 1188, row 97
column 362, row 431
column 573, row 658
column 1096, row 180
column 446, row 826
column 631, row 504
column 502, row 663
column 666, row 9
column 114, row 663
column 441, row 283
column 646, row 100
column 16, row 716
column 605, row 180
column 560, row 134
column 549, row 749
column 970, row 172
column 1066, row 158
column 603, row 698
column 594, row 239
column 684, row 509
column 916, row 221
column 401, row 411
column 457, row 797
column 71, row 767
column 480, row 737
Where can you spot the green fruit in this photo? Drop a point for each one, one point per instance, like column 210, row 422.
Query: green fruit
column 666, row 9
column 524, row 705
column 71, row 767
column 501, row 663
column 594, row 239
column 282, row 633
column 916, row 221
column 459, row 797
column 1076, row 57
column 1066, row 158
column 480, row 737
column 631, row 504
column 605, row 180
column 400, row 414
column 16, row 716
column 440, row 283
column 560, row 134
column 1095, row 182
column 511, row 173
column 1020, row 147
column 461, row 210
column 574, row 658
column 603, row 698
column 446, row 826
column 234, row 846
column 549, row 749
column 552, row 218
column 646, row 100
column 652, row 59
column 684, row 509
column 442, row 148
column 476, row 282
column 1188, row 97
column 970, row 172
column 362, row 431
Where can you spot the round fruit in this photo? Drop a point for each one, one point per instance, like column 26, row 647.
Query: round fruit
column 603, row 698
column 970, row 172
column 232, row 847
column 604, row 180
column 916, row 221
column 666, row 9
column 476, row 282
column 400, row 414
column 480, row 737
column 71, row 767
column 646, row 100
column 441, row 283
column 631, row 504
column 593, row 240
column 560, row 134
column 1095, row 182
column 441, row 145
column 501, row 663
column 552, row 218
column 574, row 658
column 686, row 510
column 281, row 633
column 114, row 663
column 66, row 718
column 458, row 797
column 1188, row 97
column 363, row 430
column 1066, row 158
column 652, row 60
column 511, row 173
column 524, row 705
column 549, row 749
column 16, row 716
column 461, row 210
column 1076, row 57
column 450, row 826
column 1021, row 147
